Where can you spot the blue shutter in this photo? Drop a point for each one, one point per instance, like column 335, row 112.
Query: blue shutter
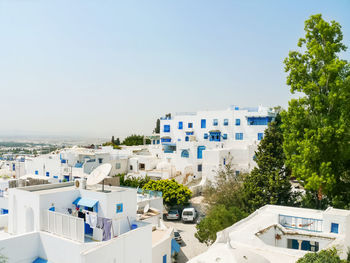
column 180, row 125
column 334, row 228
column 203, row 123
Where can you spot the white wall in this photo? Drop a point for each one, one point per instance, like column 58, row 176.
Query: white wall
column 163, row 247
column 132, row 247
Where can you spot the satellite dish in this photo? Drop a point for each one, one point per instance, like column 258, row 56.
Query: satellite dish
column 145, row 210
column 99, row 174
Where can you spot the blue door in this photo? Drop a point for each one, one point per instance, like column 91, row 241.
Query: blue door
column 164, row 259
column 200, row 150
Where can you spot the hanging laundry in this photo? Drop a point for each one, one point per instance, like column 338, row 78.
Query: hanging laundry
column 107, row 225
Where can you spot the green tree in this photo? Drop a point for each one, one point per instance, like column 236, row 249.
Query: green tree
column 117, row 141
column 217, row 219
column 173, row 192
column 269, row 182
column 316, row 126
column 135, row 140
column 157, row 128
column 324, row 256
column 112, row 140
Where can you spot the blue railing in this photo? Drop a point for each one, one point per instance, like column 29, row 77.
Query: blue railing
column 301, row 223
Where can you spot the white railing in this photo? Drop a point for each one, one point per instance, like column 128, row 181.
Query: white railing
column 63, row 225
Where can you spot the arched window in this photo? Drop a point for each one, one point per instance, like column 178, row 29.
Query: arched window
column 185, row 154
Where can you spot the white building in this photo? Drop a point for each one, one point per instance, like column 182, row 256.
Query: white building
column 199, row 143
column 280, row 234
column 63, row 223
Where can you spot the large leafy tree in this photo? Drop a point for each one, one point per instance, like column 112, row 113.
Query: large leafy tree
column 317, row 124
column 217, row 219
column 269, row 182
column 173, row 192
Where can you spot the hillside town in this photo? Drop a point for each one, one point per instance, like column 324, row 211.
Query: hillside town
column 173, row 132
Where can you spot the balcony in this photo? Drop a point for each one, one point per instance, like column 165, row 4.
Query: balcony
column 301, row 223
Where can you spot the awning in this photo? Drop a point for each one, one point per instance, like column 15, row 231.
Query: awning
column 175, row 247
column 85, row 202
column 40, row 260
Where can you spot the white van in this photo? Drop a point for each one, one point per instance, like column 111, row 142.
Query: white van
column 189, row 214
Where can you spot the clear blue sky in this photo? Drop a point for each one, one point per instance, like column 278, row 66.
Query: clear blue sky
column 97, row 68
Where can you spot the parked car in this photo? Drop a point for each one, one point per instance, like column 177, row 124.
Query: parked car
column 189, row 214
column 173, row 214
column 177, row 237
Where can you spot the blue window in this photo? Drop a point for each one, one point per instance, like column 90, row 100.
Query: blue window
column 237, row 173
column 260, row 136
column 180, row 125
column 5, row 211
column 190, row 125
column 224, row 136
column 200, row 150
column 215, row 122
column 100, row 160
column 166, row 139
column 189, row 133
column 47, row 174
column 185, row 154
column 259, row 120
column 203, row 123
column 158, row 141
column 215, row 136
column 239, row 136
column 119, row 208
column 164, row 259
column 206, row 136
column 199, row 168
column 236, row 108
column 225, row 122
column 63, row 161
column 334, row 228
column 13, row 167
column 187, row 138
column 224, row 161
column 66, row 177
column 55, row 176
column 238, row 122
column 166, row 128
column 36, row 172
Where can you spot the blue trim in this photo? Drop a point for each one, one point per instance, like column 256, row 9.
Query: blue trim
column 119, row 208
column 308, row 221
column 175, row 247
